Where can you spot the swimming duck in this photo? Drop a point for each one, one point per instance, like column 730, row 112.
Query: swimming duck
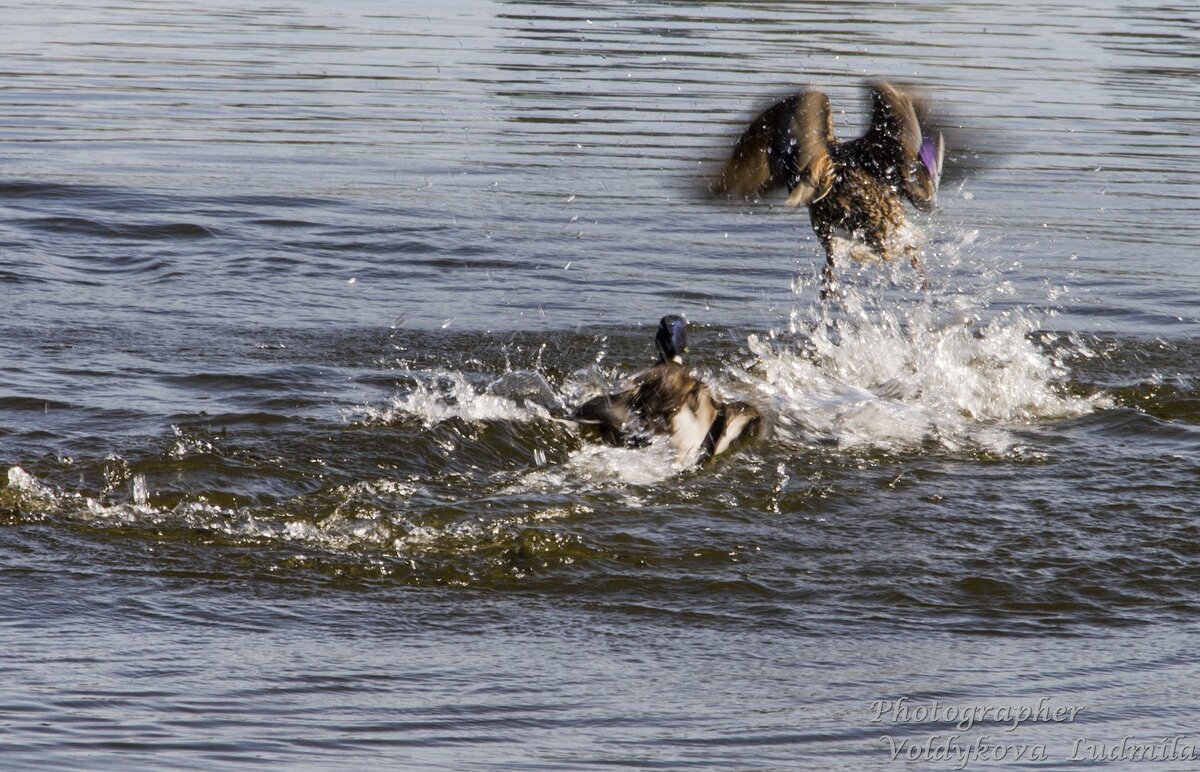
column 667, row 399
column 852, row 188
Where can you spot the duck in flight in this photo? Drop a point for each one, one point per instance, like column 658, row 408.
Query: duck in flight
column 855, row 188
column 667, row 399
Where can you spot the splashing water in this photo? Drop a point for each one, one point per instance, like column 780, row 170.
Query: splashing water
column 879, row 367
column 441, row 395
column 599, row 466
column 875, row 370
column 27, row 492
column 522, row 397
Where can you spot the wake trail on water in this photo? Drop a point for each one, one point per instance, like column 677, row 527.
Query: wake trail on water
column 879, row 367
column 478, row 469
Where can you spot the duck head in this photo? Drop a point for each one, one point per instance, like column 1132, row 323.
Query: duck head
column 671, row 338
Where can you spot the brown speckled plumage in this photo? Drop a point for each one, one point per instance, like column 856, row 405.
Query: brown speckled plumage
column 856, row 188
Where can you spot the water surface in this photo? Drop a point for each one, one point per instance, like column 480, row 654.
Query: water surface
column 295, row 296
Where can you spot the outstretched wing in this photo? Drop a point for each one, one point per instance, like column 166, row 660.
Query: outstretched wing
column 610, row 414
column 905, row 145
column 786, row 146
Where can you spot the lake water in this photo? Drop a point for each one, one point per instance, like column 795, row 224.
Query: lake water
column 294, row 293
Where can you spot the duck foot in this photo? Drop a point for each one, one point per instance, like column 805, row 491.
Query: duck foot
column 829, row 282
column 920, row 269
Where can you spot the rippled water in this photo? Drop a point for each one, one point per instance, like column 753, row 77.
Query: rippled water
column 297, row 294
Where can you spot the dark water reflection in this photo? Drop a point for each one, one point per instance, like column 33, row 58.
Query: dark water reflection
column 296, row 293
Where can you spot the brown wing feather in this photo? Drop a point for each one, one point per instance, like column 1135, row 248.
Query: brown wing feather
column 900, row 126
column 610, row 414
column 787, row 146
column 895, row 132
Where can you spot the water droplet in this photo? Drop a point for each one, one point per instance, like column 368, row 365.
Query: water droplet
column 140, row 495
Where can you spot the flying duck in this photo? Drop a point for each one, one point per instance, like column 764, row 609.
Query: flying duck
column 855, row 188
column 667, row 399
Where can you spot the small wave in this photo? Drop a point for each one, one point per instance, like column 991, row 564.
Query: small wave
column 26, row 493
column 137, row 231
column 367, row 529
column 29, row 189
column 33, row 404
column 595, row 465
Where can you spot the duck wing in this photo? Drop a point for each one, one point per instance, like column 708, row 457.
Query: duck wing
column 641, row 408
column 903, row 146
column 668, row 399
column 734, row 421
column 671, row 401
column 787, row 146
column 611, row 414
column 692, row 421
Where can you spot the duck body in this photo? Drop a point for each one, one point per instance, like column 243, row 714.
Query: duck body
column 667, row 399
column 858, row 207
column 854, row 189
